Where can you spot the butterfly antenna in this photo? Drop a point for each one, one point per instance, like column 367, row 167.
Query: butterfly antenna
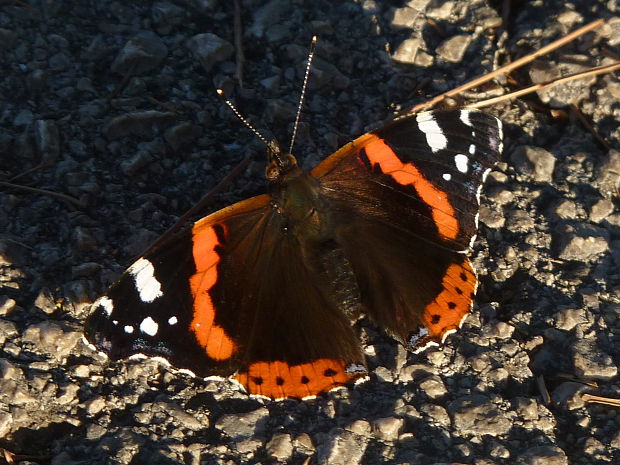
column 220, row 92
column 303, row 91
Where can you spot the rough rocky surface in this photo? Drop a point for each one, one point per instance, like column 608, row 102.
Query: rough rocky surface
column 112, row 104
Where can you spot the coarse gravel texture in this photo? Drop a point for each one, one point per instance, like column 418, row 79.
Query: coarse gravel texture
column 112, row 103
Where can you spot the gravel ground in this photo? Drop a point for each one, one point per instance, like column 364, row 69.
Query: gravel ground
column 112, row 103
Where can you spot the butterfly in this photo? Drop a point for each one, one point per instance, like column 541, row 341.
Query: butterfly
column 267, row 291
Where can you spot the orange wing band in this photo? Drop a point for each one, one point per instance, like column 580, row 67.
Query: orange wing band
column 449, row 308
column 217, row 344
column 379, row 153
column 279, row 380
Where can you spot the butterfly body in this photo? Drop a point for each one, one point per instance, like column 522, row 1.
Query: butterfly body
column 267, row 291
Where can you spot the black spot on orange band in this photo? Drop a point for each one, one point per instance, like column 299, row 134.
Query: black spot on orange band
column 279, row 380
column 454, row 301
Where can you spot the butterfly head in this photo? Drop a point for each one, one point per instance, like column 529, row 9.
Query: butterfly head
column 280, row 165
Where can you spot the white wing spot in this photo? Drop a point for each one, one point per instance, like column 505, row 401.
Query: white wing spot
column 472, row 149
column 148, row 326
column 461, row 162
column 447, row 176
column 115, row 322
column 173, row 320
column 434, row 135
column 465, row 117
column 128, row 329
column 147, row 285
column 106, row 303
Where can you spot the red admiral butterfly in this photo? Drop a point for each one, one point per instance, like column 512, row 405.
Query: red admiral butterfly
column 265, row 291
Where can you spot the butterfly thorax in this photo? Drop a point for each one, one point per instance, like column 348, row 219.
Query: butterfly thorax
column 297, row 200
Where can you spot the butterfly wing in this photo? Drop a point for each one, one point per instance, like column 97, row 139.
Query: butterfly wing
column 232, row 296
column 405, row 200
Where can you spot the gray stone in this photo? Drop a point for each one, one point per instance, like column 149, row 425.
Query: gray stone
column 84, row 241
column 23, row 118
column 526, row 408
column 591, row 363
column 16, row 393
column 184, row 418
column 342, row 448
column 569, row 18
column 564, row 94
column 52, row 338
column 210, row 49
column 565, row 209
column 166, row 15
column 280, row 447
column 435, row 414
column 45, row 301
column 477, row 415
column 499, row 330
column 94, row 406
column 244, row 425
column 594, row 447
column 271, row 83
column 267, row 15
column 9, row 371
column 535, row 162
column 361, row 427
column 568, row 318
column 498, row 450
column 519, row 221
column 568, row 395
column 439, row 10
column 181, row 135
column 8, row 330
column 608, row 172
column 142, row 53
column 601, row 210
column 492, row 217
column 388, row 428
column 405, row 17
column 248, row 446
column 410, row 51
column 6, row 420
column 85, row 269
column 136, row 163
column 543, row 455
column 145, row 124
column 454, row 48
column 581, row 242
column 303, row 443
column 68, row 394
column 499, row 195
column 7, row 305
column 434, row 387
